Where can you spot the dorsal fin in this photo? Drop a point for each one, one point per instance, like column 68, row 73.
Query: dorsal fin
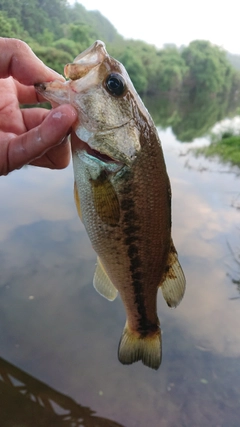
column 174, row 283
column 103, row 284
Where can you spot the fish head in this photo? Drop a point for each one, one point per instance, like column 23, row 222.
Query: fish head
column 101, row 91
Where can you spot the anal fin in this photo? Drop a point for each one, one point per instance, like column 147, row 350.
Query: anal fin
column 174, row 283
column 103, row 284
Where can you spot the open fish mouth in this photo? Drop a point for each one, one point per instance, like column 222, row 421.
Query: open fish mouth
column 103, row 157
column 83, row 146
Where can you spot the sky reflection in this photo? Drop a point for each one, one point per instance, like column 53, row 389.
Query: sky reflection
column 57, row 328
column 204, row 221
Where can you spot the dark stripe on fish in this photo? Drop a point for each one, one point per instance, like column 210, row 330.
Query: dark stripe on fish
column 130, row 229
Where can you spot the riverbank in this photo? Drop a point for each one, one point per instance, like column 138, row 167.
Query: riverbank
column 227, row 149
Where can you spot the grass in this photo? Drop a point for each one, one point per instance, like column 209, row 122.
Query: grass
column 227, row 149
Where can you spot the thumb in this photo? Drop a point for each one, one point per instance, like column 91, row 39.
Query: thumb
column 23, row 149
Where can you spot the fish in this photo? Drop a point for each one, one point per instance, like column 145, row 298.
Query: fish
column 123, row 196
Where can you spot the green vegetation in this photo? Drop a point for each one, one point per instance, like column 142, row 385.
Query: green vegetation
column 226, row 149
column 188, row 89
column 54, row 26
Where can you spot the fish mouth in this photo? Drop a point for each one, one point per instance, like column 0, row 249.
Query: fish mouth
column 81, row 145
column 101, row 156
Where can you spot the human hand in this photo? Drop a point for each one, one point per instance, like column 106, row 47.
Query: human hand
column 33, row 136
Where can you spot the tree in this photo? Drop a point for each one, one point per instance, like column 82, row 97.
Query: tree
column 9, row 27
column 68, row 46
column 54, row 58
column 12, row 8
column 189, row 80
column 5, row 26
column 209, row 70
column 82, row 34
column 140, row 60
column 134, row 68
column 171, row 71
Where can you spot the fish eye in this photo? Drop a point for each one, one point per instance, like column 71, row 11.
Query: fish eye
column 115, row 84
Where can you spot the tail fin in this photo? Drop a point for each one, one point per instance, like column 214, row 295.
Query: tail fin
column 147, row 349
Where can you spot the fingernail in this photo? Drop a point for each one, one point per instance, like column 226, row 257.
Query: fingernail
column 59, row 76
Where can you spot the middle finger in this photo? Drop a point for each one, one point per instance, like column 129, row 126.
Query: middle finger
column 33, row 117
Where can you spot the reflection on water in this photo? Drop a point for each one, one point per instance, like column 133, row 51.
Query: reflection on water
column 191, row 116
column 29, row 402
column 55, row 327
column 234, row 267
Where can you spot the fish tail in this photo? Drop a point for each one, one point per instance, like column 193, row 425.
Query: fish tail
column 134, row 347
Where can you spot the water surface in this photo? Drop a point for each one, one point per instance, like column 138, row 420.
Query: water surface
column 63, row 337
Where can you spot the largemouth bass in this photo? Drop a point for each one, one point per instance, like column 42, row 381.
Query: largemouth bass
column 123, row 196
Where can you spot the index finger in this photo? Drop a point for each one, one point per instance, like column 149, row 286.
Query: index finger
column 19, row 61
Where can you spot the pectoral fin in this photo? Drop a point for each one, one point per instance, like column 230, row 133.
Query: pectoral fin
column 105, row 200
column 103, row 284
column 174, row 282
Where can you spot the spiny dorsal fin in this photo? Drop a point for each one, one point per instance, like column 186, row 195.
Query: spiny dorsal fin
column 174, row 282
column 103, row 284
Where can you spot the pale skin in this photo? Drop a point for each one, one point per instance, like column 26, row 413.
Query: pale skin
column 33, row 136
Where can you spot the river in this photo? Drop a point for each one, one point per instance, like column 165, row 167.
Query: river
column 59, row 338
